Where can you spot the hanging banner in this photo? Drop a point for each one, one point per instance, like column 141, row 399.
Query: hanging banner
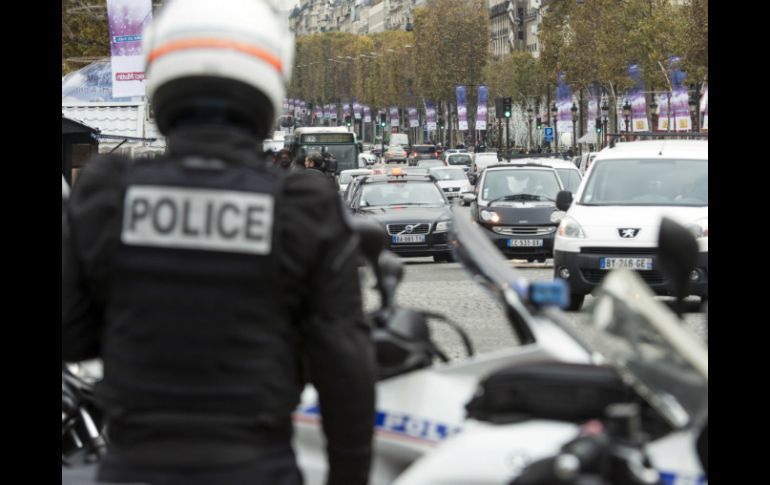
column 664, row 104
column 286, row 105
column 367, row 114
column 679, row 97
column 345, row 110
column 319, row 111
column 481, row 111
column 414, row 121
column 638, row 101
column 462, row 110
column 621, row 116
column 704, row 107
column 327, row 112
column 393, row 116
column 333, row 110
column 356, row 110
column 126, row 20
column 593, row 109
column 430, row 115
column 564, row 106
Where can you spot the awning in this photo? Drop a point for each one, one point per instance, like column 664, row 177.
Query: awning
column 589, row 137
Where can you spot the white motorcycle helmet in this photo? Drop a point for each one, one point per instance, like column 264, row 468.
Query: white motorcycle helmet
column 226, row 61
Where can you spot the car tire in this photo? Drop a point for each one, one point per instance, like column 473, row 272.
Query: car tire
column 575, row 302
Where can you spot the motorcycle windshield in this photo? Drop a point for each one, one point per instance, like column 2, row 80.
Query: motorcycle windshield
column 645, row 342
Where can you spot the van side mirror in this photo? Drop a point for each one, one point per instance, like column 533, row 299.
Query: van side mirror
column 469, row 197
column 563, row 200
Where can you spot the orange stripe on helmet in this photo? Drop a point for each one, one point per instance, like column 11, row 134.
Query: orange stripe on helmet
column 179, row 45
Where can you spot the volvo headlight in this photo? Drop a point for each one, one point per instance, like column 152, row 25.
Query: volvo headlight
column 570, row 228
column 490, row 216
column 442, row 226
column 699, row 228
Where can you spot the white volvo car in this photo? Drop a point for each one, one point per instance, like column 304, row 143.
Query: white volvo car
column 615, row 215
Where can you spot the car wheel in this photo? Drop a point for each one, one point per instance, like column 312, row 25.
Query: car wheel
column 575, row 302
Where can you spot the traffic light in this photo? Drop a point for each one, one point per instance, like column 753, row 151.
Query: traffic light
column 539, row 123
column 598, row 125
column 507, row 103
column 441, row 123
column 347, row 121
column 383, row 120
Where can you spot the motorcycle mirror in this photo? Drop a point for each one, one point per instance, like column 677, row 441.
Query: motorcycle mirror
column 678, row 254
column 372, row 236
column 390, row 273
column 563, row 200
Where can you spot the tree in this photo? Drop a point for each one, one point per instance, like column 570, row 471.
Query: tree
column 84, row 33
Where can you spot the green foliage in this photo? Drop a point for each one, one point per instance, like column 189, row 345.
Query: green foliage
column 84, row 32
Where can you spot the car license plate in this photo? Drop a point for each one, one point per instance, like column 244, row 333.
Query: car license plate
column 525, row 243
column 630, row 263
column 408, row 238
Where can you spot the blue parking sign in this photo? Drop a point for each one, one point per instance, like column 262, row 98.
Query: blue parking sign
column 548, row 133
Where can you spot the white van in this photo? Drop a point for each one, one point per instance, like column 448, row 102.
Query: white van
column 615, row 215
column 401, row 139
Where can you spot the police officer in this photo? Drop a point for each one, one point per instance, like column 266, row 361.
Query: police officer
column 212, row 285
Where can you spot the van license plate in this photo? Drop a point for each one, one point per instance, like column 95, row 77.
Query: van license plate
column 630, row 263
column 525, row 243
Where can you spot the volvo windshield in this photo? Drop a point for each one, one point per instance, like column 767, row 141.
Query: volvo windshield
column 401, row 193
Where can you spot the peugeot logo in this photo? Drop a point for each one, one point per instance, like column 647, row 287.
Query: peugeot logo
column 409, row 228
column 628, row 232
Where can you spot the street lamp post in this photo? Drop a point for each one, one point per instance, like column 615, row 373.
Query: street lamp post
column 574, row 131
column 627, row 114
column 529, row 115
column 554, row 112
column 605, row 119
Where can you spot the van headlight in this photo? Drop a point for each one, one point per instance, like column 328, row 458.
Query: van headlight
column 699, row 228
column 570, row 228
column 490, row 216
column 442, row 226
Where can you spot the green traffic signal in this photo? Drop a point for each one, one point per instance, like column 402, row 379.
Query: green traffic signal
column 507, row 114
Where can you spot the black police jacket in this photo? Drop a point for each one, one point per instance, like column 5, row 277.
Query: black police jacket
column 204, row 280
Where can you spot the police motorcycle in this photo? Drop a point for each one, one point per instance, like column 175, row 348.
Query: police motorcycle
column 493, row 418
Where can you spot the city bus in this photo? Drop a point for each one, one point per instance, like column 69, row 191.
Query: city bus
column 336, row 140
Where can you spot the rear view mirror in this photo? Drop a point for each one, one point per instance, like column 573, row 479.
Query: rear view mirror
column 563, row 200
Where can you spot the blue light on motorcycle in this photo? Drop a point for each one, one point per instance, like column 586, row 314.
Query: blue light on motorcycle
column 549, row 293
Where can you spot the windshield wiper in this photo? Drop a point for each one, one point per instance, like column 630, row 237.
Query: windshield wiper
column 522, row 197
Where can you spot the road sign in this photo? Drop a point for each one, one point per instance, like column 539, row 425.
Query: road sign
column 548, row 133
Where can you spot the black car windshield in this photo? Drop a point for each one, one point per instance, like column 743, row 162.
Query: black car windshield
column 570, row 178
column 448, row 174
column 648, row 182
column 401, row 193
column 501, row 183
column 459, row 159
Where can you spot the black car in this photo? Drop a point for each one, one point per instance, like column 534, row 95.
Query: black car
column 413, row 210
column 419, row 152
column 516, row 207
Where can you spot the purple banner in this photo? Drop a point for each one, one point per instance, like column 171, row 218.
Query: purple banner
column 462, row 109
column 638, row 101
column 593, row 112
column 663, row 101
column 681, row 107
column 327, row 112
column 285, row 105
column 481, row 112
column 367, row 114
column 357, row 110
column 430, row 115
column 704, row 107
column 564, row 107
column 319, row 112
column 333, row 111
column 414, row 121
column 126, row 20
column 345, row 110
column 394, row 116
